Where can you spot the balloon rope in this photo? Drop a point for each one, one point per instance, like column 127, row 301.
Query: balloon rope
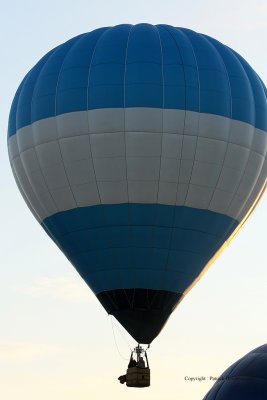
column 124, row 337
column 115, row 341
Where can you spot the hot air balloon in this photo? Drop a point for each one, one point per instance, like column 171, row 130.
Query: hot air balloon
column 141, row 150
column 245, row 379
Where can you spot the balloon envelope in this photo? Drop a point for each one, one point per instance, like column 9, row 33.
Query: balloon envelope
column 140, row 150
column 245, row 379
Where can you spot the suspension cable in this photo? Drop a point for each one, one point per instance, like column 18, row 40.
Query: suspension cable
column 115, row 341
column 124, row 337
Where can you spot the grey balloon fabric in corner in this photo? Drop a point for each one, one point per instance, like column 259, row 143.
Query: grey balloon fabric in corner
column 246, row 379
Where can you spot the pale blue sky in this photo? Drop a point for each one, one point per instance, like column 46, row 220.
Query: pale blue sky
column 56, row 341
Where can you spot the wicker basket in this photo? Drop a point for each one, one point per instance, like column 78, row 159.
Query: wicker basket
column 138, row 377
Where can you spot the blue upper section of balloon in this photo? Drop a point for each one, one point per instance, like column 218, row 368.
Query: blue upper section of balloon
column 141, row 66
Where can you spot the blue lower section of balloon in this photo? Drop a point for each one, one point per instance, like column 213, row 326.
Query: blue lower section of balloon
column 149, row 246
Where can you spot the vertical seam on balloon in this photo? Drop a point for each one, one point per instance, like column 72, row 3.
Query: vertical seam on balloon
column 231, row 226
column 230, row 119
column 185, row 99
column 30, row 127
column 18, row 93
column 162, row 108
column 40, row 204
column 124, row 105
column 160, row 158
column 35, row 151
column 249, row 206
column 50, row 53
column 256, row 177
column 252, row 141
column 15, row 174
column 28, row 75
column 23, row 193
column 125, row 147
column 56, row 120
column 183, row 135
column 245, row 215
column 199, row 110
column 87, row 107
column 263, row 187
column 105, row 32
column 45, row 183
